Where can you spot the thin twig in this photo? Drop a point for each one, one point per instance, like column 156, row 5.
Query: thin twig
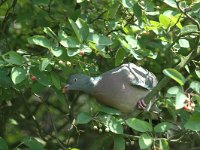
column 52, row 122
column 32, row 117
column 98, row 17
column 188, row 16
column 7, row 15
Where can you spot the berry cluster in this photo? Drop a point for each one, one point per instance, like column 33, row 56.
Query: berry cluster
column 189, row 105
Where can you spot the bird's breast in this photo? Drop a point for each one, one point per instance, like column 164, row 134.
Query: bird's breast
column 118, row 94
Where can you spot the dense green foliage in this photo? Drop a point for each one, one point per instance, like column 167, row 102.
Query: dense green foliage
column 43, row 41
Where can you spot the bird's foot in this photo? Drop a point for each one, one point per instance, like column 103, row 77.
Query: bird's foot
column 141, row 104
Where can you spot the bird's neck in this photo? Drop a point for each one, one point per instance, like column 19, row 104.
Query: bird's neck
column 93, row 82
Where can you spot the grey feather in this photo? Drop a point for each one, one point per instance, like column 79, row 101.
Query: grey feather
column 118, row 87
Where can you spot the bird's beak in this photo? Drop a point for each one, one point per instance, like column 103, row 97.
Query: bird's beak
column 65, row 88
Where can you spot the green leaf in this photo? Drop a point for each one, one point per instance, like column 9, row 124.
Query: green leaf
column 184, row 43
column 76, row 30
column 5, row 80
column 175, row 20
column 62, row 35
column 112, row 123
column 42, row 77
column 3, row 145
column 13, row 121
column 119, row 143
column 39, row 2
column 73, row 51
column 148, row 6
column 55, row 80
column 33, row 144
column 13, row 57
column 101, row 51
column 164, row 20
column 115, row 126
column 49, row 32
column 196, row 8
column 162, row 127
column 120, row 55
column 37, row 88
column 197, row 71
column 195, row 85
column 194, row 122
column 103, row 40
column 188, row 29
column 173, row 90
column 145, row 141
column 85, row 49
column 180, row 100
column 139, row 125
column 132, row 42
column 100, row 40
column 127, row 3
column 137, row 10
column 44, row 64
column 83, row 118
column 70, row 42
column 113, row 10
column 57, row 51
column 110, row 110
column 40, row 40
column 84, row 28
column 18, row 74
column 171, row 3
column 61, row 97
column 175, row 75
column 163, row 144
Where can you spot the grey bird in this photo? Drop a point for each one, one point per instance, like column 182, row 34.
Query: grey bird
column 122, row 87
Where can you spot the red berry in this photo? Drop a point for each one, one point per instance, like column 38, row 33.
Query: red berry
column 33, row 78
column 185, row 108
column 81, row 52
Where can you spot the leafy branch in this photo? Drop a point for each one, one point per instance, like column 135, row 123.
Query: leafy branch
column 183, row 62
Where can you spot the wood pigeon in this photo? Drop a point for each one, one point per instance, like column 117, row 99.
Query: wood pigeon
column 121, row 87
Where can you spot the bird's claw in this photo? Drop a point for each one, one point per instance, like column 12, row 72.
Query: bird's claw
column 141, row 104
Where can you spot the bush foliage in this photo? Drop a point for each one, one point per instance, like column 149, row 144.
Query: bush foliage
column 43, row 41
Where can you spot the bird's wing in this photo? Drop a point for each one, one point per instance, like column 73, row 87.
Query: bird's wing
column 139, row 76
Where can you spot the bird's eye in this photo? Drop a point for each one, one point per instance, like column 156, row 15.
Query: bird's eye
column 75, row 79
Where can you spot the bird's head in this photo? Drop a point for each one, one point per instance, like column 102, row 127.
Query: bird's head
column 79, row 82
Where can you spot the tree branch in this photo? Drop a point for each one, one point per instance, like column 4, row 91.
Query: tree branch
column 183, row 62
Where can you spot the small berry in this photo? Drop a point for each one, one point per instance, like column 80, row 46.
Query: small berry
column 95, row 128
column 100, row 130
column 157, row 7
column 81, row 52
column 193, row 105
column 60, row 62
column 185, row 108
column 33, row 78
column 107, row 129
column 127, row 143
column 69, row 63
column 132, row 142
column 142, row 2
